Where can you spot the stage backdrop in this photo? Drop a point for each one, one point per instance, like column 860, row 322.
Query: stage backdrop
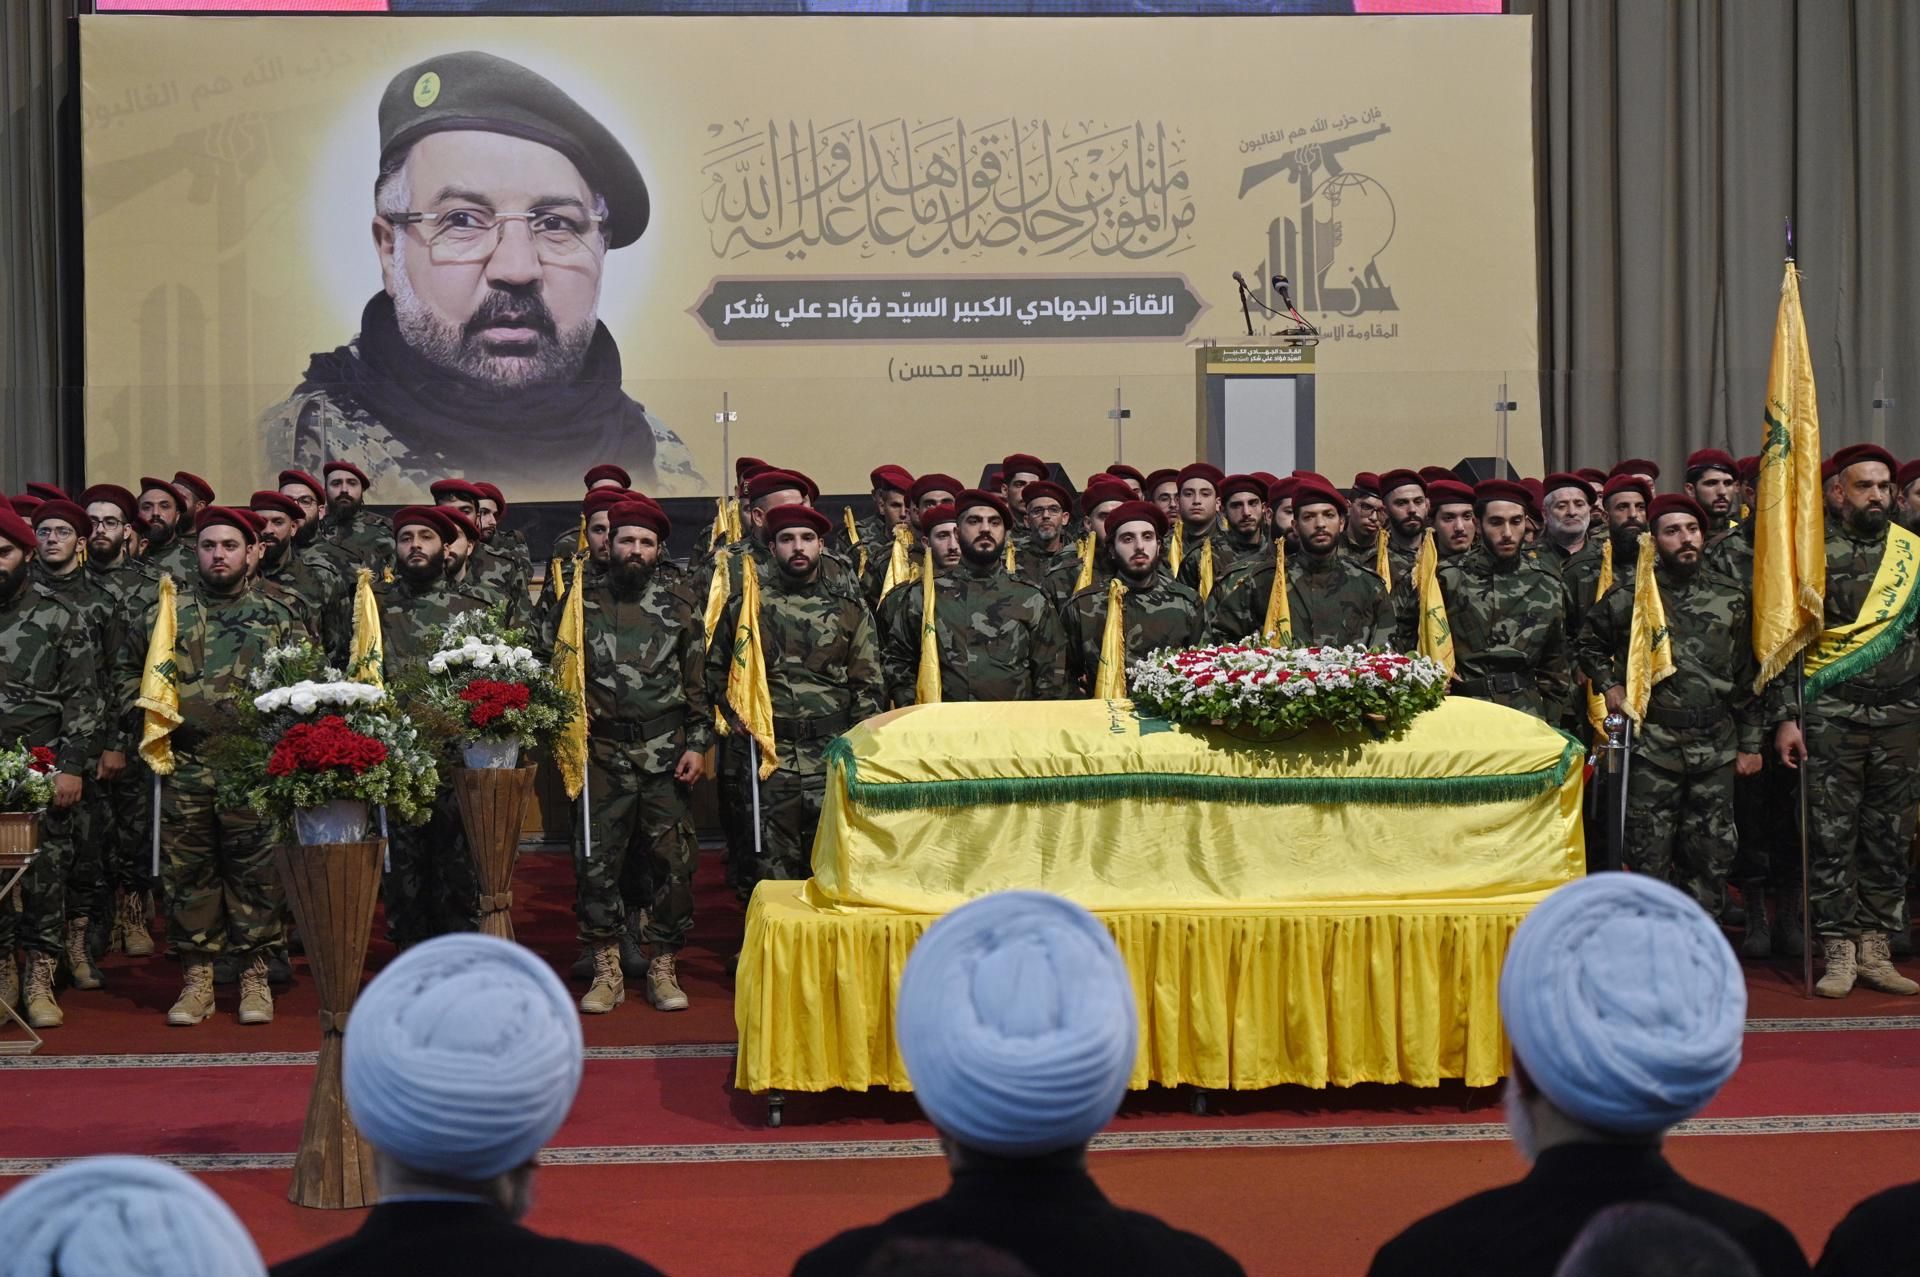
column 928, row 241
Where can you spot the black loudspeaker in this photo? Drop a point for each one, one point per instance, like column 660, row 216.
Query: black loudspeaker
column 1472, row 470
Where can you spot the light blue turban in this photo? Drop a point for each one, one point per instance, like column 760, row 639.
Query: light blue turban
column 463, row 1057
column 129, row 1216
column 1017, row 1024
column 1624, row 1002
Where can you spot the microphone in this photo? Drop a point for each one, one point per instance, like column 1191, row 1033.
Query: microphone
column 1245, row 313
column 1281, row 287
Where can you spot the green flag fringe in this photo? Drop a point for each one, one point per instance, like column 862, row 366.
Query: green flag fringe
column 1870, row 653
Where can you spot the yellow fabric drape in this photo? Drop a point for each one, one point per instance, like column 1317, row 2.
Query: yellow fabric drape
column 1009, row 555
column 366, row 658
column 1382, row 561
column 899, row 559
column 1596, row 702
column 1436, row 635
column 1206, row 567
column 1177, row 546
column 570, row 669
column 1844, row 651
column 722, row 533
column 1649, row 644
column 1277, row 627
column 1110, row 680
column 747, row 689
column 1085, row 578
column 159, row 693
column 719, row 587
column 580, row 540
column 926, row 682
column 851, row 524
column 1789, row 531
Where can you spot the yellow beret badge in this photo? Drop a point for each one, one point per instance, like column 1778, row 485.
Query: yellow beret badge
column 426, row 89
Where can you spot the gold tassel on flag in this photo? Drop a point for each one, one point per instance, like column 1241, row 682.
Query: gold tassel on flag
column 1110, row 680
column 1085, row 578
column 1177, row 547
column 1206, row 567
column 1596, row 703
column 899, row 559
column 159, row 693
column 926, row 682
column 1789, row 527
column 1436, row 635
column 1649, row 646
column 570, row 669
column 747, row 689
column 1277, row 627
column 366, row 659
column 1382, row 561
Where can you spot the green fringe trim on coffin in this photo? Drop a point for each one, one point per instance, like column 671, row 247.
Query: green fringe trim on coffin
column 1870, row 653
column 1381, row 791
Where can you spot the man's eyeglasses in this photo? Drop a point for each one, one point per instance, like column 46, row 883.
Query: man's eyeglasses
column 471, row 234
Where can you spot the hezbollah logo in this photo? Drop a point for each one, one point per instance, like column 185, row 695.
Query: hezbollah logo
column 426, row 89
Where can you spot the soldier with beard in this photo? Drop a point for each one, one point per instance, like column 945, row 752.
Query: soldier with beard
column 1246, row 539
column 197, row 492
column 482, row 568
column 1406, row 509
column 998, row 636
column 1703, row 724
column 310, row 495
column 1567, row 517
column 462, row 552
column 1366, row 515
column 1331, row 601
column 161, row 509
column 871, row 536
column 1713, row 481
column 365, row 538
column 1049, row 512
column 1623, row 503
column 511, row 542
column 1092, row 562
column 649, row 726
column 309, row 580
column 1280, row 509
column 1158, row 611
column 1017, row 472
column 928, row 491
column 593, row 523
column 1508, row 613
column 1454, row 525
column 1197, row 524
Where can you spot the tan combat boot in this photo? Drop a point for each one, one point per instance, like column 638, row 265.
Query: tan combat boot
column 9, row 982
column 663, row 985
column 134, row 936
column 196, row 992
column 42, row 1011
column 79, row 961
column 256, row 995
column 1838, row 980
column 609, row 985
column 1876, row 969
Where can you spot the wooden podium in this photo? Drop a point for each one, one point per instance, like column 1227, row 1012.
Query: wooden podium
column 1254, row 403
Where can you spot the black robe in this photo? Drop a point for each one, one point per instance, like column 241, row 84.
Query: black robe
column 1876, row 1239
column 473, row 1239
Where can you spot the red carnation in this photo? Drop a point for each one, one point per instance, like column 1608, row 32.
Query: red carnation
column 43, row 759
column 322, row 746
column 491, row 699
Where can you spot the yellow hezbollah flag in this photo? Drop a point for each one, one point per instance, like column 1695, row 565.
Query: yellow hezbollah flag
column 719, row 586
column 1382, row 561
column 1649, row 645
column 1278, row 625
column 1596, row 703
column 1085, row 578
column 570, row 668
column 1010, row 562
column 1206, row 567
column 365, row 658
column 899, row 563
column 747, row 689
column 580, row 541
column 159, row 694
column 926, row 683
column 1436, row 635
column 1177, row 546
column 1789, row 516
column 853, row 537
column 1110, row 681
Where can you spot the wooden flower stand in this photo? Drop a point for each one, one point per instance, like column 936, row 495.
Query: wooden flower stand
column 493, row 803
column 332, row 888
column 19, row 848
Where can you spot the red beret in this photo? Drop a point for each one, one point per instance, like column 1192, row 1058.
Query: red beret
column 304, row 479
column 1855, row 454
column 1448, row 492
column 1313, row 490
column 47, row 491
column 1243, row 483
column 492, row 493
column 811, row 488
column 1908, row 473
column 1626, row 483
column 1565, row 479
column 1437, row 474
column 444, row 488
column 927, row 483
column 16, row 529
column 1673, row 503
column 894, row 477
column 742, row 468
column 112, row 494
column 278, row 502
column 1368, row 482
column 1265, row 476
column 252, row 517
column 1635, row 465
column 1396, row 479
column 1159, row 477
column 1281, row 490
column 1202, row 470
column 1041, row 488
column 194, row 483
column 1711, row 459
column 1136, row 512
column 605, row 499
column 607, row 470
column 1102, row 490
column 1828, row 470
column 1503, row 490
column 431, row 517
column 74, row 516
column 1025, row 463
column 24, row 504
column 461, row 522
column 935, row 515
column 1121, row 470
column 1534, row 486
column 347, row 467
column 1750, row 469
column 220, row 516
column 148, row 483
column 974, row 496
column 765, row 483
column 1596, row 477
column 640, row 514
column 796, row 516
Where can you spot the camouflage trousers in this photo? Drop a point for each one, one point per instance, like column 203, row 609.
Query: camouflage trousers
column 127, row 855
column 224, row 895
column 1680, row 828
column 644, row 850
column 87, row 867
column 430, row 888
column 1860, row 805
column 34, row 914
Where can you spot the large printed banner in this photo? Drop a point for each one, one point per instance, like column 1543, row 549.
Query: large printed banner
column 513, row 248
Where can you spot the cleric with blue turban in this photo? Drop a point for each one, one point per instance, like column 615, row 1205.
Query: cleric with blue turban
column 128, row 1216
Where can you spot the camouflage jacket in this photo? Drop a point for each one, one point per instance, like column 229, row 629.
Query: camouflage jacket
column 1063, row 578
column 1031, row 561
column 50, row 677
column 180, row 556
column 1230, row 550
column 823, row 663
column 1509, row 625
column 513, row 603
column 998, row 635
column 1697, row 716
column 873, row 530
column 1581, row 574
column 499, row 570
column 318, row 590
column 219, row 641
column 835, row 572
column 364, row 537
column 1888, row 692
column 1732, row 555
column 102, row 605
column 1164, row 614
column 646, row 669
column 408, row 615
column 1332, row 602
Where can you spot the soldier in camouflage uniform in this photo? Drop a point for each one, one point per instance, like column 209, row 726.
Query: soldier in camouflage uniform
column 507, row 543
column 1861, row 744
column 49, row 697
column 1713, row 480
column 592, row 556
column 1623, row 503
column 1508, row 613
column 649, row 724
column 1016, row 472
column 998, row 635
column 1454, row 526
column 1102, row 496
column 364, row 537
column 1366, row 515
column 310, row 581
column 1702, row 723
column 431, row 888
column 1246, row 538
column 1157, row 611
column 1567, row 520
column 1198, row 526
column 169, row 541
column 940, row 539
column 823, row 673
column 223, row 894
column 462, row 552
column 1049, row 541
column 480, row 567
column 926, row 492
column 197, row 493
column 1331, row 601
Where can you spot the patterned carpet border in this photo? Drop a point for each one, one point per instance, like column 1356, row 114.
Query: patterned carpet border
column 267, row 1059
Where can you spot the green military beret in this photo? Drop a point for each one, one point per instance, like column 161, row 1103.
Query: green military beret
column 474, row 91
